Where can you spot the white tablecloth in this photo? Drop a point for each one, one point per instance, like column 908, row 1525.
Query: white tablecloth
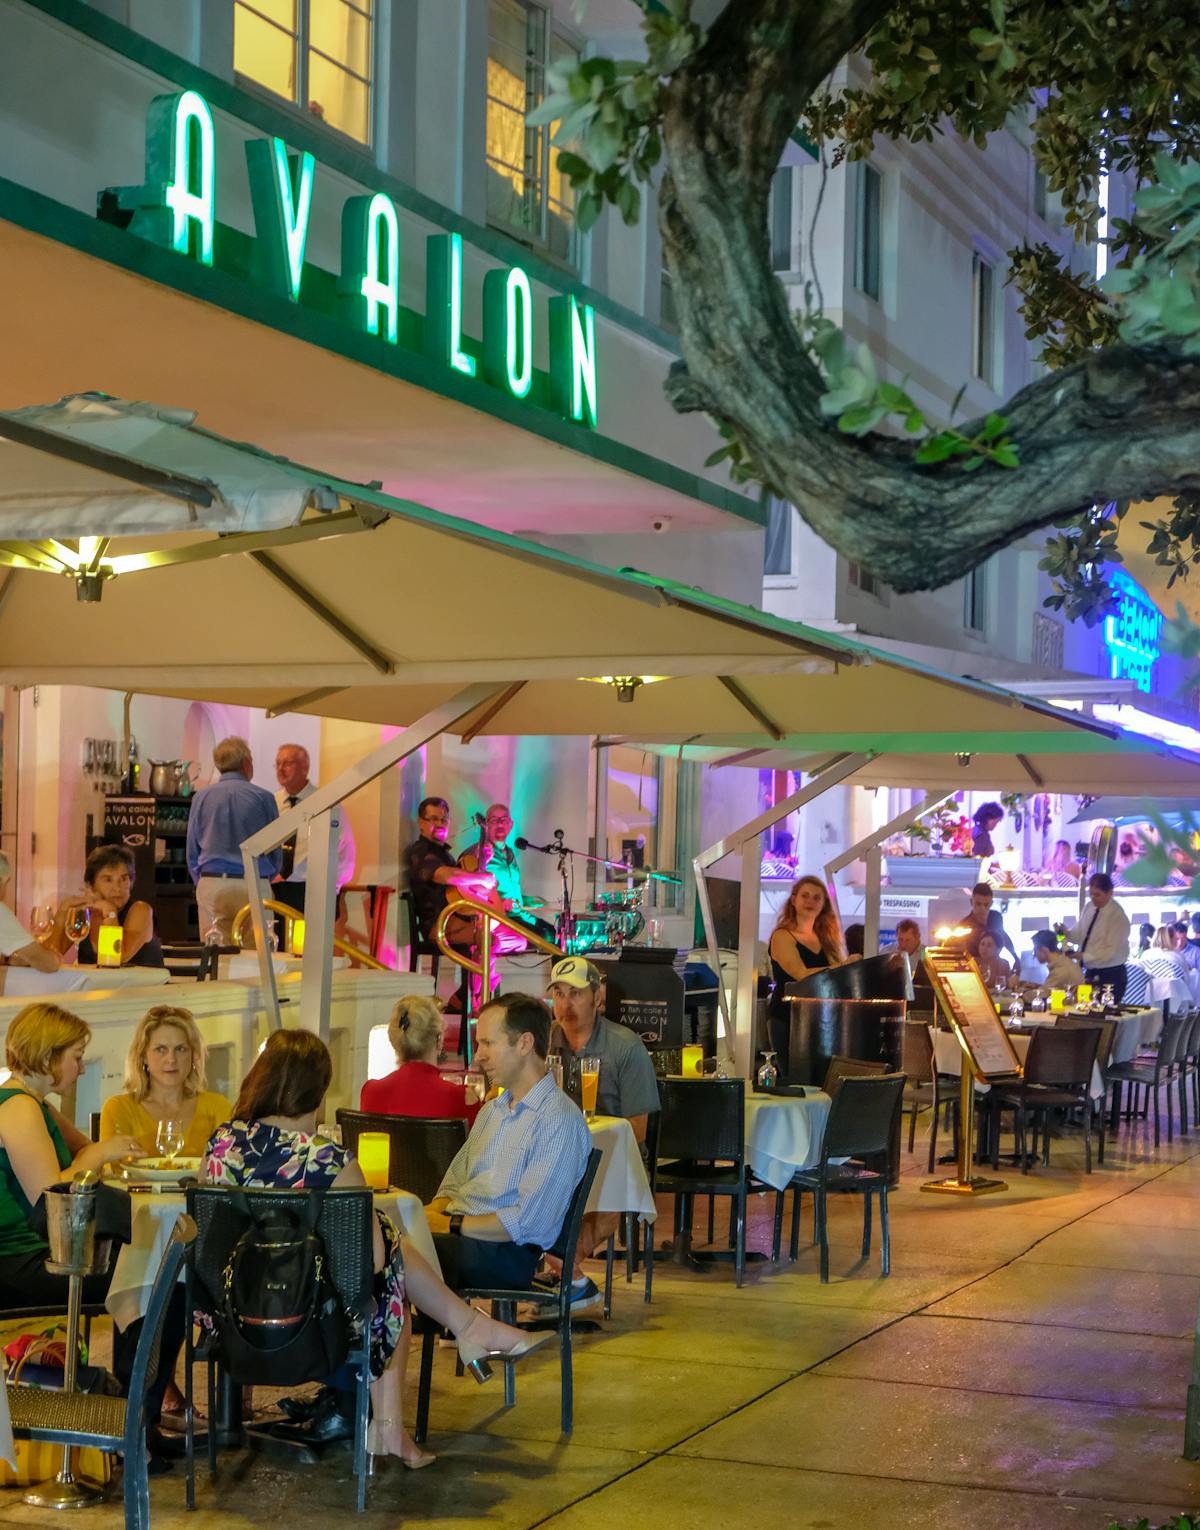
column 948, row 1056
column 784, row 1134
column 154, row 1217
column 621, row 1183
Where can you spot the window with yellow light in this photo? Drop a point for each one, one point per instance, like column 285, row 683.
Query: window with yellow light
column 317, row 54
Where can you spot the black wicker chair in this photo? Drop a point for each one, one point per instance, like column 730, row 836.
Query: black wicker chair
column 421, row 1148
column 556, row 1305
column 1057, row 1076
column 1152, row 1073
column 346, row 1226
column 863, row 1120
column 115, row 1424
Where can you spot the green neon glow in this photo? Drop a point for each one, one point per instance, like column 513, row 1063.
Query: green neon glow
column 518, row 344
column 188, row 206
column 294, row 210
column 377, row 292
column 458, row 357
column 583, row 361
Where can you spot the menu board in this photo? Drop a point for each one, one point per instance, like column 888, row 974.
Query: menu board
column 967, row 1004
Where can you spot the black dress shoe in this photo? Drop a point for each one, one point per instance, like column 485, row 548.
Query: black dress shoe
column 167, row 1447
column 327, row 1426
column 301, row 1409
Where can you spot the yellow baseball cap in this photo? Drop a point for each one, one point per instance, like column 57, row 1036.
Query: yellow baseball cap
column 576, row 972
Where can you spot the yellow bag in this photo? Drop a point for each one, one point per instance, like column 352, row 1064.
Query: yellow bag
column 39, row 1460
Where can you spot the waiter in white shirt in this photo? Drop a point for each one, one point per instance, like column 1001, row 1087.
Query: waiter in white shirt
column 291, row 771
column 1102, row 937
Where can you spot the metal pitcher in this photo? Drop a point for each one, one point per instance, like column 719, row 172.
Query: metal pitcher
column 71, row 1229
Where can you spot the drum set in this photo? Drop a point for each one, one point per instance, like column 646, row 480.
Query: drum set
column 613, row 919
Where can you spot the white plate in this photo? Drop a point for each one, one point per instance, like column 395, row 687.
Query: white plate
column 158, row 1171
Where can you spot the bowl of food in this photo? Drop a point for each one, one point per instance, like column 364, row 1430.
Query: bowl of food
column 161, row 1171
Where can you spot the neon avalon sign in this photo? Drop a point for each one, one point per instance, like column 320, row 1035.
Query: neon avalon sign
column 175, row 208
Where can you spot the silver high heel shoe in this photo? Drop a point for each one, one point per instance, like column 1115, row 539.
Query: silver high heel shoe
column 475, row 1358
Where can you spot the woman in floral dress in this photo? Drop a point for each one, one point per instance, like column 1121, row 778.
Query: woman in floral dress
column 273, row 1142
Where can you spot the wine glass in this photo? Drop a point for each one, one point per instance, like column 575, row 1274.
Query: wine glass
column 41, row 919
column 169, row 1137
column 78, row 921
column 768, row 1074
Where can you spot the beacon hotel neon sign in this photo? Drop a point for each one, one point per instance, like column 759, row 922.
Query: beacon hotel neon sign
column 1133, row 634
column 175, row 208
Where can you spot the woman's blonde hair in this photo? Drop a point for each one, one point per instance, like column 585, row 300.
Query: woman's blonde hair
column 416, row 1024
column 1162, row 938
column 39, row 1036
column 826, row 926
column 137, row 1076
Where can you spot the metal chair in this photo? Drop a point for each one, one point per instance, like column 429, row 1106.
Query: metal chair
column 345, row 1225
column 418, row 946
column 195, row 960
column 947, row 1090
column 1152, row 1073
column 862, row 1122
column 1057, row 1075
column 920, row 1090
column 421, row 1148
column 556, row 1304
column 115, row 1424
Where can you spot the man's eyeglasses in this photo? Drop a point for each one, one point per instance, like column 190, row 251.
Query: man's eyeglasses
column 436, row 817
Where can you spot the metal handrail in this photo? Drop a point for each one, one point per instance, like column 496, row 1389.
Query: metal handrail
column 465, row 906
column 346, row 947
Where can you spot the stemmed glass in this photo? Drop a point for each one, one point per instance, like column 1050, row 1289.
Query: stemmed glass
column 41, row 919
column 169, row 1137
column 768, row 1074
column 78, row 922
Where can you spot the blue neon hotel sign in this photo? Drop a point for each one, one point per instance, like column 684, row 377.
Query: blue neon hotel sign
column 1133, row 634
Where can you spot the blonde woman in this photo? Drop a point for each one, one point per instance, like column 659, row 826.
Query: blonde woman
column 416, row 1088
column 807, row 935
column 164, row 1080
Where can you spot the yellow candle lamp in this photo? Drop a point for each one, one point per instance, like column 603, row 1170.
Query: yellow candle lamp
column 693, row 1062
column 374, row 1157
column 1058, row 998
column 1084, row 993
column 297, row 937
column 108, row 945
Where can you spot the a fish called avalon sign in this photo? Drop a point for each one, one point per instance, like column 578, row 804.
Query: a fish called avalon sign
column 175, row 208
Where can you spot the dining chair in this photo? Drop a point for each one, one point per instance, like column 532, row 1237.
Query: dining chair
column 848, row 1067
column 420, row 1148
column 947, row 1088
column 345, row 1225
column 1151, row 1073
column 417, row 945
column 862, row 1121
column 116, row 1424
column 555, row 1304
column 917, row 1061
column 1057, row 1075
column 701, row 1150
column 632, row 1231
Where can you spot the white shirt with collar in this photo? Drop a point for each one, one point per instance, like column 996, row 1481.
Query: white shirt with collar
column 13, row 934
column 1102, row 936
column 346, row 852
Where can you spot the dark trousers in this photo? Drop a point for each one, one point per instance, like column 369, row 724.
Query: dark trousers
column 26, row 1282
column 472, row 1263
column 291, row 893
column 1114, row 975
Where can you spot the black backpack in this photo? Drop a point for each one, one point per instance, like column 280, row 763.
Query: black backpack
column 279, row 1317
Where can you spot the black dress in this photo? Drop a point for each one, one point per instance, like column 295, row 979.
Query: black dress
column 779, row 1017
column 150, row 955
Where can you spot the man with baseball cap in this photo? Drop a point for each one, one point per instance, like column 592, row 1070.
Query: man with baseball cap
column 626, row 1086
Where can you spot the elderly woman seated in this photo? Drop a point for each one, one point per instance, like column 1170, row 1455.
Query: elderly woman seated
column 273, row 1141
column 417, row 1032
column 108, row 895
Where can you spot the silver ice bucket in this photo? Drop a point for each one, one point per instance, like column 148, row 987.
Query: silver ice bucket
column 71, row 1229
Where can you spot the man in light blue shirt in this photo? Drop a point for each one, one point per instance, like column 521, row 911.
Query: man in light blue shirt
column 504, row 1198
column 224, row 814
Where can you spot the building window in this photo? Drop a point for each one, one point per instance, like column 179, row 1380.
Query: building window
column 526, row 193
column 983, row 320
column 974, row 603
column 317, row 54
column 779, row 219
column 868, row 240
column 862, row 579
column 777, row 548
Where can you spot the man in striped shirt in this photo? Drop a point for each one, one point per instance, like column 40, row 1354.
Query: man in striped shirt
column 505, row 1196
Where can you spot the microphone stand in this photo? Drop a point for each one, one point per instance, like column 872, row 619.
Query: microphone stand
column 565, row 854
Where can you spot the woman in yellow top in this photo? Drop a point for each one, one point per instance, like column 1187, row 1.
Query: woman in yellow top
column 164, row 1080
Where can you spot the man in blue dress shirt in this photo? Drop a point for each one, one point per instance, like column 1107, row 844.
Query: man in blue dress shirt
column 505, row 1196
column 224, row 814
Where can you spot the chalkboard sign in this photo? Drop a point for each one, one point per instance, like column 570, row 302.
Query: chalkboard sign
column 646, row 997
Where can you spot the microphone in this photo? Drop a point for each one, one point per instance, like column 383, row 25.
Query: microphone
column 523, row 844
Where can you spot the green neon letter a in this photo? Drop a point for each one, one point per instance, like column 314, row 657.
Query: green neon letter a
column 181, row 174
column 281, row 188
column 443, row 302
column 370, row 279
column 573, row 359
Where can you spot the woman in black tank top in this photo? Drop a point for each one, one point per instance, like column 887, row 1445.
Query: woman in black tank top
column 108, row 877
column 808, row 936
